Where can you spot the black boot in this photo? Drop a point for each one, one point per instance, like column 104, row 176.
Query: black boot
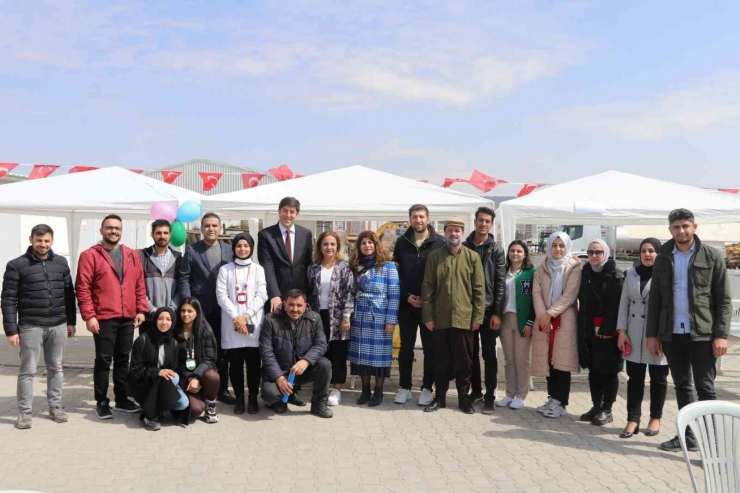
column 377, row 397
column 239, row 407
column 437, row 404
column 320, row 409
column 604, row 417
column 591, row 413
column 253, row 407
column 225, row 397
column 365, row 396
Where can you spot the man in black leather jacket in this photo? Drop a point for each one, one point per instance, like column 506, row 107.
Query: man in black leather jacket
column 494, row 265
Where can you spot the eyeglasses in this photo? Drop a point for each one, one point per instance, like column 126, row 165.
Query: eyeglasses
column 595, row 253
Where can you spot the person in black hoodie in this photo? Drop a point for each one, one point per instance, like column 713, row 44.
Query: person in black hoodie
column 410, row 255
column 598, row 299
column 494, row 266
column 152, row 380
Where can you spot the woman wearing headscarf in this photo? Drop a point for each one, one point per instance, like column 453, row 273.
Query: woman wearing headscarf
column 598, row 299
column 632, row 342
column 152, row 380
column 554, row 340
column 377, row 295
column 241, row 292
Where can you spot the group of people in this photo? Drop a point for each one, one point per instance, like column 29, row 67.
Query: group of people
column 298, row 314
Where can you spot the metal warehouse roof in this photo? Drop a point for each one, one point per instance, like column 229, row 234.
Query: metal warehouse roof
column 231, row 181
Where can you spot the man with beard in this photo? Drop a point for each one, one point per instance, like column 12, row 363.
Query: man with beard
column 38, row 304
column 453, row 297
column 494, row 267
column 689, row 314
column 161, row 266
column 112, row 297
column 410, row 255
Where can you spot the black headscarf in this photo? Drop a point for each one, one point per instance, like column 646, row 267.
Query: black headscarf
column 157, row 337
column 243, row 236
column 646, row 273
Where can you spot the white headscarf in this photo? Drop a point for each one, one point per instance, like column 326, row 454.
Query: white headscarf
column 557, row 266
column 604, row 257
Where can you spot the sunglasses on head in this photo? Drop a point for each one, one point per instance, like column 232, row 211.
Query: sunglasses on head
column 595, row 253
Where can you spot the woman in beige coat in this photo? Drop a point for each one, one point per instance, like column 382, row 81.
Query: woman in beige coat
column 554, row 339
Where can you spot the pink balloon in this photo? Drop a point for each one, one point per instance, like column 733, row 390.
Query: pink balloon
column 164, row 210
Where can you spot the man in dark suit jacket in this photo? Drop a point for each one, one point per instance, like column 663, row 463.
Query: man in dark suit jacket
column 284, row 251
column 198, row 274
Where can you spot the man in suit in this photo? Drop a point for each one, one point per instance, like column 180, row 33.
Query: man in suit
column 284, row 251
column 198, row 274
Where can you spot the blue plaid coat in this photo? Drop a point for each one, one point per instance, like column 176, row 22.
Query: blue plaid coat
column 375, row 306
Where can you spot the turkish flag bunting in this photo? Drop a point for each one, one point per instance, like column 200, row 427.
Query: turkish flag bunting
column 41, row 171
column 282, row 173
column 424, row 181
column 6, row 168
column 137, row 171
column 210, row 179
column 80, row 169
column 251, row 180
column 726, row 190
column 529, row 188
column 170, row 176
column 450, row 181
column 483, row 182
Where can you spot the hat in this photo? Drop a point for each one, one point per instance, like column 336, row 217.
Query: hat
column 454, row 221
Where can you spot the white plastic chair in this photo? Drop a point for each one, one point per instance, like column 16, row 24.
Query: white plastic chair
column 716, row 426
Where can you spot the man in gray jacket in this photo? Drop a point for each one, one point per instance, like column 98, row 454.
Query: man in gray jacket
column 689, row 313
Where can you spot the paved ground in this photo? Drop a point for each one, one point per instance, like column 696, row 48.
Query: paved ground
column 388, row 449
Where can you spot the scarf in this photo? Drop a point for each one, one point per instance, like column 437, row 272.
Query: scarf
column 160, row 338
column 557, row 266
column 604, row 257
column 242, row 261
column 646, row 273
column 366, row 263
column 250, row 242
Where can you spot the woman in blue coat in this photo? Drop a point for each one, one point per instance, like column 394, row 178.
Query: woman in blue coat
column 377, row 297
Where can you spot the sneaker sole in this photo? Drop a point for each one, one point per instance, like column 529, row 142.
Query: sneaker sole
column 126, row 410
column 488, row 411
column 516, row 408
column 58, row 420
column 553, row 416
column 23, row 427
column 211, row 421
column 110, row 416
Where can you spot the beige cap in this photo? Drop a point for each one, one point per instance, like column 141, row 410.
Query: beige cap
column 455, row 221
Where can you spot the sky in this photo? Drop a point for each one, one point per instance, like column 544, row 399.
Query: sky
column 525, row 91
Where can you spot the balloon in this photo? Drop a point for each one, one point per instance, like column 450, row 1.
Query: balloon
column 164, row 210
column 189, row 211
column 178, row 234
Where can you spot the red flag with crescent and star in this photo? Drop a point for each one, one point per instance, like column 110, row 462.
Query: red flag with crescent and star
column 282, row 173
column 80, row 169
column 251, row 180
column 42, row 171
column 529, row 188
column 450, row 181
column 210, row 179
column 483, row 182
column 137, row 171
column 170, row 176
column 6, row 168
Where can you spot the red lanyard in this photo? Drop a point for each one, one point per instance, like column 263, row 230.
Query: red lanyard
column 241, row 297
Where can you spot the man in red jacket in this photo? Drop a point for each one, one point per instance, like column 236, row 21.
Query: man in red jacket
column 111, row 293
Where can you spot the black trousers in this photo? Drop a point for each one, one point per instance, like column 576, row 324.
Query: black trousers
column 558, row 385
column 604, row 388
column 112, row 345
column 336, row 352
column 409, row 321
column 453, row 352
column 319, row 374
column 636, row 390
column 222, row 362
column 684, row 356
column 487, row 344
column 239, row 358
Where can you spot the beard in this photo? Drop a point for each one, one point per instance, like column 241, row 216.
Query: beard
column 419, row 228
column 162, row 243
column 453, row 242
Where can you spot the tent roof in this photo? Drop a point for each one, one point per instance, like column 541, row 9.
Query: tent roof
column 355, row 191
column 101, row 191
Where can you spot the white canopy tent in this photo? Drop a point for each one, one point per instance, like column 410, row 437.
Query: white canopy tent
column 346, row 193
column 614, row 198
column 91, row 194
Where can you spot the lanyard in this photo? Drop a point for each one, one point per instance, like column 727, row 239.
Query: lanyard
column 241, row 297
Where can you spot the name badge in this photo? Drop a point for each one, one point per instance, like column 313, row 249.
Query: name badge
column 241, row 298
column 190, row 364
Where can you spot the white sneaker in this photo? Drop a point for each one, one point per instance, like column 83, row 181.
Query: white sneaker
column 425, row 398
column 505, row 402
column 544, row 407
column 335, row 398
column 556, row 410
column 403, row 396
column 517, row 403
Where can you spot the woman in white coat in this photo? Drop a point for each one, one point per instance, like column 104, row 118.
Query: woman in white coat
column 241, row 292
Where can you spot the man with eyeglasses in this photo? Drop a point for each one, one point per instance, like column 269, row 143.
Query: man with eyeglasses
column 111, row 293
column 689, row 314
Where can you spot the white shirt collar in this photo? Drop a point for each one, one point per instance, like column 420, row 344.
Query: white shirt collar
column 283, row 230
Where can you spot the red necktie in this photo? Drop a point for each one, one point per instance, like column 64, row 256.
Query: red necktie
column 288, row 248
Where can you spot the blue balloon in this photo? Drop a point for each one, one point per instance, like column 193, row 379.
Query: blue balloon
column 189, row 212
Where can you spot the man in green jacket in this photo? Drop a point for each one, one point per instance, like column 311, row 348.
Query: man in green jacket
column 689, row 313
column 453, row 296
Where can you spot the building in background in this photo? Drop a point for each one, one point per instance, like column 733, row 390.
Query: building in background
column 231, row 181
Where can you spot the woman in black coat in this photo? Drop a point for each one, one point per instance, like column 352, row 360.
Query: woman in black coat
column 197, row 360
column 598, row 310
column 152, row 380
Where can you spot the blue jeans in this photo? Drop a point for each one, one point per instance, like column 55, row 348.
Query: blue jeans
column 183, row 402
